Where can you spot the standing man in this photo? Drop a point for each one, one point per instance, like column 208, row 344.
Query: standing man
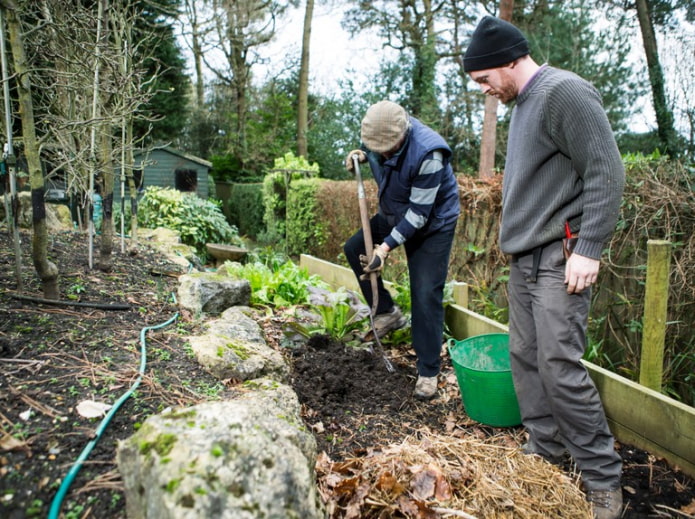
column 563, row 177
column 418, row 208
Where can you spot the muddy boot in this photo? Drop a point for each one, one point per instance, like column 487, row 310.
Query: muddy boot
column 387, row 322
column 425, row 387
column 607, row 504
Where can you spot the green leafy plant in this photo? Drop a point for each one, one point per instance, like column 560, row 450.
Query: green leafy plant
column 278, row 285
column 197, row 221
column 275, row 190
column 339, row 313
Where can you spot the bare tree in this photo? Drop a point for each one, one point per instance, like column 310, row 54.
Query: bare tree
column 194, row 33
column 11, row 204
column 72, row 120
column 664, row 115
column 409, row 27
column 230, row 32
column 488, row 144
column 46, row 270
column 79, row 111
column 303, row 90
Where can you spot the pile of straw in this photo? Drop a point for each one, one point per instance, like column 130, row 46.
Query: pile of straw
column 436, row 476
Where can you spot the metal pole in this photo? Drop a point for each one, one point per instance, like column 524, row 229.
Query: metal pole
column 10, row 160
column 93, row 133
column 124, row 69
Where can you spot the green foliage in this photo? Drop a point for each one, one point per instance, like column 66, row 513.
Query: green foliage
column 335, row 130
column 226, row 167
column 275, row 191
column 598, row 52
column 296, row 165
column 274, row 283
column 401, row 293
column 245, row 205
column 638, row 143
column 642, row 160
column 166, row 113
column 340, row 313
column 274, row 204
column 196, row 220
column 304, row 226
column 483, row 303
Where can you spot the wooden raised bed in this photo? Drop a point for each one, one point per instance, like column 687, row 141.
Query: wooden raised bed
column 637, row 415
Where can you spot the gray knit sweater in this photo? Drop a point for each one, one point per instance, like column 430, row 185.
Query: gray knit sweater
column 562, row 165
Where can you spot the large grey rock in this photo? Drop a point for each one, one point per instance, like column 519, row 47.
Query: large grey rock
column 233, row 347
column 247, row 458
column 212, row 293
column 168, row 242
column 57, row 215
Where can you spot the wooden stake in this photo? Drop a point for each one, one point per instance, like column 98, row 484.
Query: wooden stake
column 655, row 309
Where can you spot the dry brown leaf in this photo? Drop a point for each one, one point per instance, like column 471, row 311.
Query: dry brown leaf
column 689, row 508
column 386, row 482
column 442, row 489
column 347, row 485
column 407, row 506
column 354, row 507
column 323, row 463
column 10, row 443
column 423, row 483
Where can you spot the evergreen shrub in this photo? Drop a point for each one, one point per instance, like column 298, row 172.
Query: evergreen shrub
column 245, row 206
column 197, row 221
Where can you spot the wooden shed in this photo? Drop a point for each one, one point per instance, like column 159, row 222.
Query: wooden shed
column 164, row 166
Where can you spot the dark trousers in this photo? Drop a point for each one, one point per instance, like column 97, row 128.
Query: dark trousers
column 428, row 263
column 560, row 406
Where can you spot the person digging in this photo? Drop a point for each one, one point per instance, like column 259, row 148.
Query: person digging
column 418, row 208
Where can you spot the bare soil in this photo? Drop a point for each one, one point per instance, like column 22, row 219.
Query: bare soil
column 53, row 357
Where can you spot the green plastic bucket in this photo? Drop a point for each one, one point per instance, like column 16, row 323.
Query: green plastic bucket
column 481, row 364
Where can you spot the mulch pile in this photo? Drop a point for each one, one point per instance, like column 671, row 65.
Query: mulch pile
column 382, row 453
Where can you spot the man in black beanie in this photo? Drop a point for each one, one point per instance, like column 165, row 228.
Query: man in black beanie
column 563, row 181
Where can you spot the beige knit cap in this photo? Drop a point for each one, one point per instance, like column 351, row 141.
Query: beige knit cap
column 383, row 126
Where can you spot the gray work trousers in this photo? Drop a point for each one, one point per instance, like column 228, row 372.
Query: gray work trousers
column 560, row 406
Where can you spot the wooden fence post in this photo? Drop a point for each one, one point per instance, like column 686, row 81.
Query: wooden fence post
column 655, row 309
column 460, row 293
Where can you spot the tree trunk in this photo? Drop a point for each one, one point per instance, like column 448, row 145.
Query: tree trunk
column 197, row 54
column 105, row 157
column 303, row 94
column 488, row 143
column 47, row 271
column 664, row 116
column 11, row 203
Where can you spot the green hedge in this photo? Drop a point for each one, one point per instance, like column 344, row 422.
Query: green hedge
column 305, row 229
column 245, row 208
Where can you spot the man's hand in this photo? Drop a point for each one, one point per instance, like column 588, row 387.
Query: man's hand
column 349, row 164
column 375, row 262
column 580, row 273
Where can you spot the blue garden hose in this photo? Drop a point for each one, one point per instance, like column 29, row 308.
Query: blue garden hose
column 62, row 491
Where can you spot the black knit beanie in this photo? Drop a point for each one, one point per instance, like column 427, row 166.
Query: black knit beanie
column 494, row 43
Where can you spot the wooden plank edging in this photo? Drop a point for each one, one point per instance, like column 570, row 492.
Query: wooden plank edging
column 637, row 415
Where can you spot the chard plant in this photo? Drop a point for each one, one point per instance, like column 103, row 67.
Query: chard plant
column 338, row 313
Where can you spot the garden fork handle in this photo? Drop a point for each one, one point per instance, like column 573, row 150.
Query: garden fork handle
column 369, row 248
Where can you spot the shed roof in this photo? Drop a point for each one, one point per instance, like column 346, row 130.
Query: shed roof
column 169, row 149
